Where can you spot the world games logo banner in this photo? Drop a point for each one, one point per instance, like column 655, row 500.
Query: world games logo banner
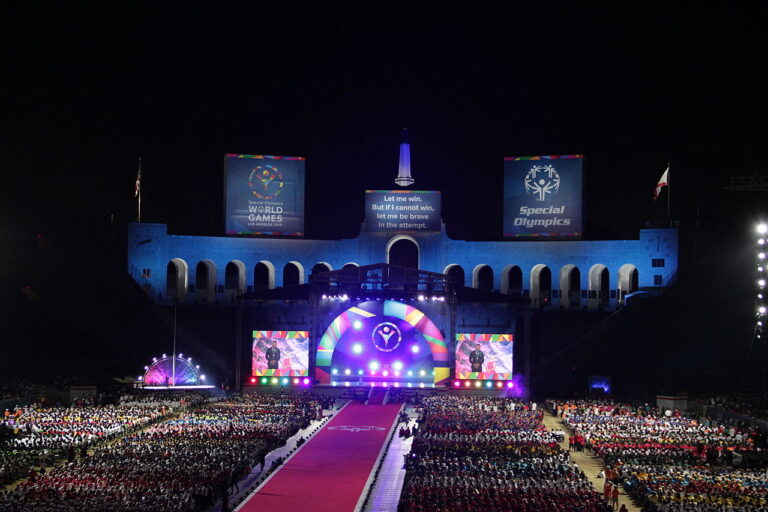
column 542, row 196
column 264, row 195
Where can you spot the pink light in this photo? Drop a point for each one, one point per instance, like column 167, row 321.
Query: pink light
column 456, row 383
column 373, row 372
column 499, row 384
column 386, row 373
column 306, row 382
column 510, row 384
column 253, row 380
column 295, row 381
column 397, row 373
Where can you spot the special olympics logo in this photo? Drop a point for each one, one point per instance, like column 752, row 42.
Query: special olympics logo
column 266, row 182
column 356, row 428
column 542, row 180
column 383, row 334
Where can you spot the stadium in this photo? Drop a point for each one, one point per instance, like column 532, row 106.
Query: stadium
column 552, row 302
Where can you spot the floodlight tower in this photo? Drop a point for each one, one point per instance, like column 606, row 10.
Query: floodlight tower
column 404, row 168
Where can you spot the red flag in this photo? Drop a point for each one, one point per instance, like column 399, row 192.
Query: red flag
column 663, row 182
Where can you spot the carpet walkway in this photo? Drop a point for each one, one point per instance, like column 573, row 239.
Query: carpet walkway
column 331, row 472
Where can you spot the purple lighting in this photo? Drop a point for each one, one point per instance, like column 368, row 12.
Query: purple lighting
column 510, row 384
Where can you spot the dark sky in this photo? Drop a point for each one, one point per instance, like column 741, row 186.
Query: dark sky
column 87, row 90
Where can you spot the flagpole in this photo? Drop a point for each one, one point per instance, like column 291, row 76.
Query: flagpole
column 669, row 194
column 138, row 190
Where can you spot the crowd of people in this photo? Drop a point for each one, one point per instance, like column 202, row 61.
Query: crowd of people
column 179, row 464
column 491, row 454
column 669, row 461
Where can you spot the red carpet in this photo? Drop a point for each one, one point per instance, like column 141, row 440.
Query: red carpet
column 329, row 473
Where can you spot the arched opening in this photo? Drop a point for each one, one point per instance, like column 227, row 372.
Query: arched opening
column 570, row 286
column 482, row 278
column 349, row 265
column 599, row 286
column 455, row 272
column 293, row 274
column 628, row 281
column 177, row 275
column 512, row 280
column 234, row 278
column 205, row 281
column 263, row 276
column 541, row 286
column 403, row 250
column 318, row 268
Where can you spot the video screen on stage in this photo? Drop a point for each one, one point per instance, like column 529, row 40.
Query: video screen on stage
column 264, row 195
column 280, row 353
column 542, row 196
column 484, row 356
column 402, row 210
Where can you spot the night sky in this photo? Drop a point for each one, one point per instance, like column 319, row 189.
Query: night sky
column 87, row 90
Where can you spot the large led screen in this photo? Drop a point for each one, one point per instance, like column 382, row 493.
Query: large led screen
column 484, row 356
column 542, row 196
column 264, row 195
column 402, row 210
column 278, row 353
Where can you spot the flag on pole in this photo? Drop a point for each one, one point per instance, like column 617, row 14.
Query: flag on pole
column 138, row 182
column 663, row 182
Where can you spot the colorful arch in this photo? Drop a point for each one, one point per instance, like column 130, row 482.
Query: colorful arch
column 391, row 308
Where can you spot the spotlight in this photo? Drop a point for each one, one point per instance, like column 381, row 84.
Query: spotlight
column 456, row 384
column 285, row 381
column 759, row 295
column 410, row 373
column 510, row 384
column 499, row 384
column 181, row 355
column 154, row 359
column 360, row 372
column 264, row 380
column 325, row 296
column 335, row 371
column 165, row 355
column 397, row 384
column 373, row 365
column 357, row 325
column 397, row 365
column 202, row 377
column 761, row 241
column 397, row 373
column 478, row 383
column 146, row 367
column 421, row 384
column 762, row 228
column 415, row 349
column 385, row 373
column 759, row 269
column 346, row 383
column 333, row 383
column 410, row 384
column 761, row 283
column 140, row 378
column 347, row 371
column 357, row 348
column 274, row 380
column 296, row 381
column 761, row 255
column 422, row 373
column 189, row 359
column 253, row 380
column 306, row 381
column 421, row 297
column 467, row 384
column 489, row 384
column 760, row 323
column 345, row 297
column 197, row 367
column 761, row 310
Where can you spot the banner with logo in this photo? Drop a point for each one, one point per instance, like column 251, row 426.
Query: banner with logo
column 264, row 195
column 542, row 196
